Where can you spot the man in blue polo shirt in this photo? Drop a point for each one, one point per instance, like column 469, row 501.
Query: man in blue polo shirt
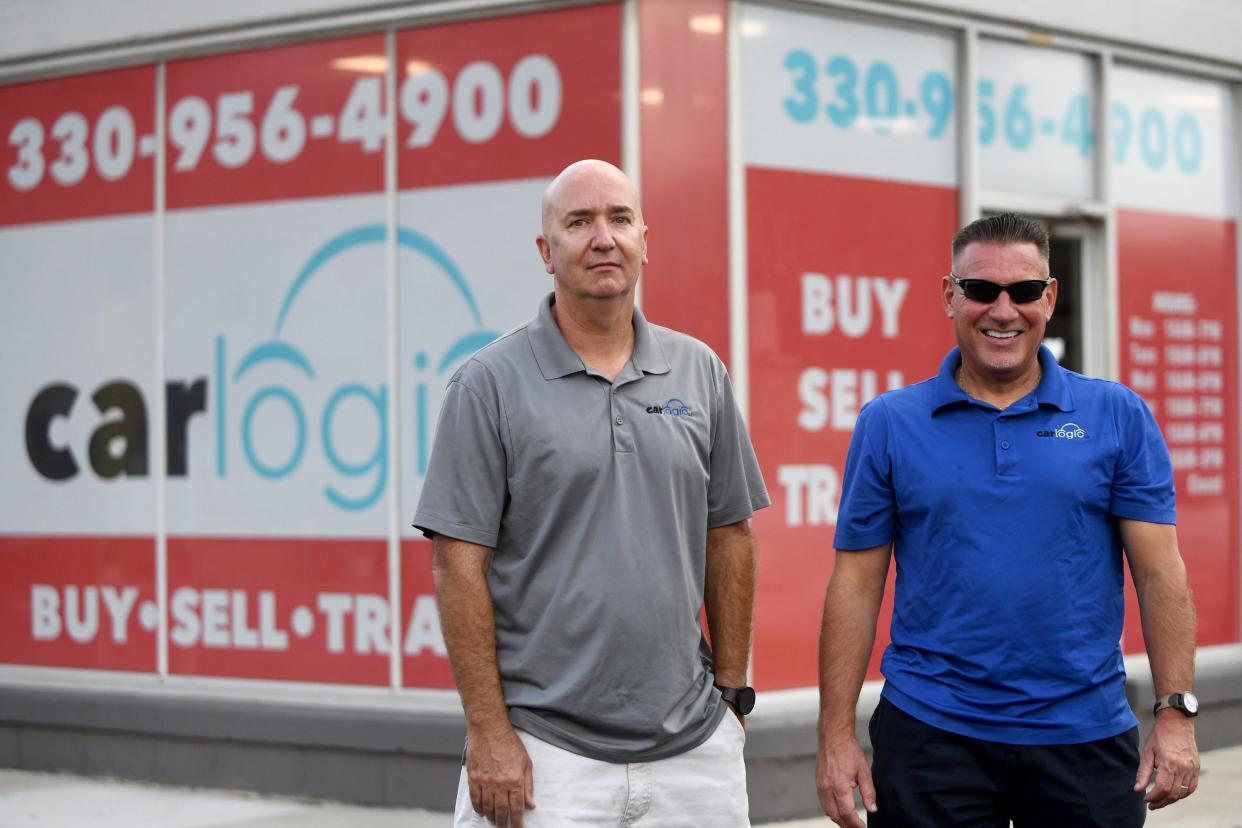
column 1008, row 490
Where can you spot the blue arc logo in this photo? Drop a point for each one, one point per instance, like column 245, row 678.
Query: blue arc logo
column 358, row 237
column 279, row 349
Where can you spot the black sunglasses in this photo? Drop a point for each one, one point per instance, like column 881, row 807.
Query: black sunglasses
column 982, row 290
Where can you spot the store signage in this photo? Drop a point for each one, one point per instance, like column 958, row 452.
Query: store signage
column 276, row 306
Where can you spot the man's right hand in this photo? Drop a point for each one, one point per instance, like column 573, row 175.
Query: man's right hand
column 498, row 770
column 839, row 769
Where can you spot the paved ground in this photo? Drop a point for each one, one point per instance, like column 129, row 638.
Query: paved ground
column 43, row 800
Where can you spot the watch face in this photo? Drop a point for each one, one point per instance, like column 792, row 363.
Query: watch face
column 1191, row 702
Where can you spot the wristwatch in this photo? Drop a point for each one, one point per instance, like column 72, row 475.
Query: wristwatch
column 1186, row 703
column 742, row 698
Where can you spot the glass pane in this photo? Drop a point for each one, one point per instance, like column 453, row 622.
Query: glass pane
column 276, row 305
column 77, row 546
column 1036, row 119
column 851, row 199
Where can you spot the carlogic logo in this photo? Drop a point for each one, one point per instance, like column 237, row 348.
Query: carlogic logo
column 673, row 408
column 1069, row 431
column 307, row 407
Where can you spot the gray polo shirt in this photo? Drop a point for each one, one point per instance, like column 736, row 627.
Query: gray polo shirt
column 596, row 498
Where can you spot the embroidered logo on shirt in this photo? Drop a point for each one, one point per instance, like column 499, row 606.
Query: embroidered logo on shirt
column 1069, row 431
column 673, row 408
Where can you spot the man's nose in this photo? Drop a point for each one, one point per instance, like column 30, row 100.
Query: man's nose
column 602, row 238
column 1003, row 307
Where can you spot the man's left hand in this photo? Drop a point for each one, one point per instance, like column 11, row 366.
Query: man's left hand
column 1172, row 758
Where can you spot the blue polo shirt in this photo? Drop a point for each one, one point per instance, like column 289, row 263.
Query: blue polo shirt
column 1009, row 603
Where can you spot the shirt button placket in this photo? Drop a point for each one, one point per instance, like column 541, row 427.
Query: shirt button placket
column 622, row 439
column 1004, row 447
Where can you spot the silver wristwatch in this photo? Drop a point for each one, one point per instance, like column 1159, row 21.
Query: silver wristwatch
column 1186, row 703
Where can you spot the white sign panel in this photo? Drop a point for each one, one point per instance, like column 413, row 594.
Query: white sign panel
column 77, row 368
column 832, row 95
column 278, row 310
column 457, row 295
column 1170, row 142
column 1036, row 129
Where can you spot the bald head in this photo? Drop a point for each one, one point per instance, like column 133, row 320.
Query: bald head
column 587, row 176
column 594, row 242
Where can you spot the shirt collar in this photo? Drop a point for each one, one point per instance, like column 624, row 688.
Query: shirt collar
column 557, row 359
column 648, row 355
column 1053, row 389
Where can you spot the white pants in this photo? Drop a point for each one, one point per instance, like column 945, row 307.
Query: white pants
column 704, row 786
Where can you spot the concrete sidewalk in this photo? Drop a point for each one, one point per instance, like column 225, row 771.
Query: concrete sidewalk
column 45, row 800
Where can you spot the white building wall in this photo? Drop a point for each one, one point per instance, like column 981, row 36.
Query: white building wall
column 29, row 29
column 1209, row 29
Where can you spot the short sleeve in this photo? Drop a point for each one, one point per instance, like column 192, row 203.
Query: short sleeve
column 867, row 516
column 1143, row 476
column 465, row 487
column 735, row 488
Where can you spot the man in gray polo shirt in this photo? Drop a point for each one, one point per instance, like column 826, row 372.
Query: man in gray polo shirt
column 590, row 489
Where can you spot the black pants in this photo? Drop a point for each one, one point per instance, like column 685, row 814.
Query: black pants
column 925, row 776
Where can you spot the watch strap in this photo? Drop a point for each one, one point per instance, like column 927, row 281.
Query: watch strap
column 742, row 698
column 1175, row 701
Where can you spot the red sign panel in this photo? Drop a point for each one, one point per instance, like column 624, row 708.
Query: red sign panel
column 424, row 657
column 293, row 609
column 78, row 602
column 81, row 146
column 286, row 122
column 1179, row 350
column 520, row 97
column 685, row 149
column 841, row 309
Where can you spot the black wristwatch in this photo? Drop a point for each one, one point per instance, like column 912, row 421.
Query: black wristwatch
column 1185, row 703
column 742, row 698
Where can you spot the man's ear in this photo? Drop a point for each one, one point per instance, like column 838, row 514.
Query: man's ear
column 545, row 252
column 946, row 296
column 1050, row 296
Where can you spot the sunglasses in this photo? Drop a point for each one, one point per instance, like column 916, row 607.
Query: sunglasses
column 982, row 290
